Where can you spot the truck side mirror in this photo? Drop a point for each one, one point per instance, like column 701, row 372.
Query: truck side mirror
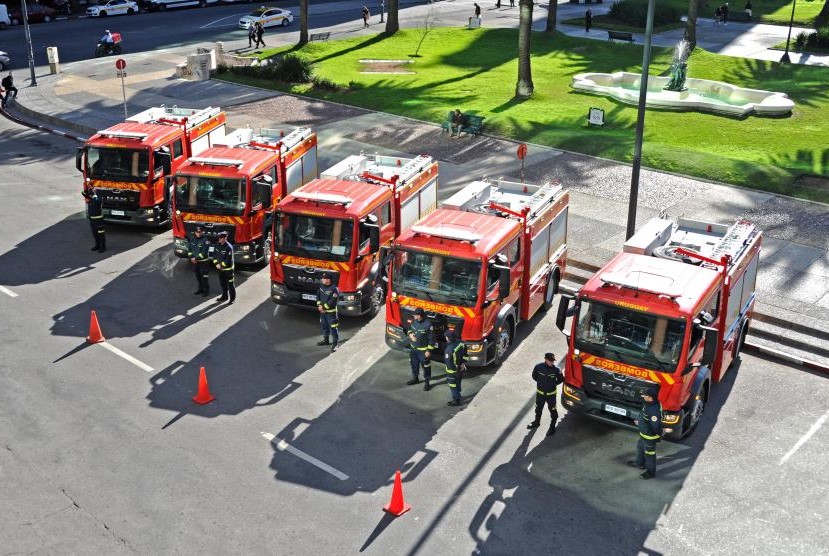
column 503, row 281
column 709, row 351
column 563, row 311
column 163, row 159
column 374, row 238
column 79, row 159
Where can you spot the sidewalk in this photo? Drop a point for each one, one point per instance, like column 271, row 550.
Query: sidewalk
column 793, row 281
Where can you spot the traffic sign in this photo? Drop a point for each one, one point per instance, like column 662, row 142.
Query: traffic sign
column 522, row 151
column 120, row 63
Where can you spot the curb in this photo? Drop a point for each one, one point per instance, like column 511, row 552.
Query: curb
column 33, row 125
column 783, row 356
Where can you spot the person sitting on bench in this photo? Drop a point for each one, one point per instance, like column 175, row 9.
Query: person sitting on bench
column 457, row 118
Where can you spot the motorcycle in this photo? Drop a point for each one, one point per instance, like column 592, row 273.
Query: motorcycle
column 107, row 48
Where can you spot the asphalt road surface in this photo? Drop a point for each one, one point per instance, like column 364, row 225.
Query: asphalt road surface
column 104, row 452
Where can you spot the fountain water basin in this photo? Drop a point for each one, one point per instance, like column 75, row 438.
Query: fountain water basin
column 700, row 94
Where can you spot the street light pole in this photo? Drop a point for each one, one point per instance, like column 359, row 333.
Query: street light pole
column 640, row 123
column 29, row 43
column 785, row 59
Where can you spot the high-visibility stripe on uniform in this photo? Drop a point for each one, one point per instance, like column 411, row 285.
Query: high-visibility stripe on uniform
column 649, row 436
column 546, row 393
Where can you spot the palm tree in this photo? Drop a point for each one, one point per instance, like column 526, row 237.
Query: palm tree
column 691, row 24
column 822, row 19
column 552, row 14
column 392, row 24
column 303, row 22
column 524, row 87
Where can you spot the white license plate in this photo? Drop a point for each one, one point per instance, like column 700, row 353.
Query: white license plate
column 309, row 296
column 617, row 410
column 117, row 213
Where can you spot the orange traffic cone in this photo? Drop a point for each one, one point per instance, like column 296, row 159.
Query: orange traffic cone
column 95, row 336
column 203, row 396
column 396, row 505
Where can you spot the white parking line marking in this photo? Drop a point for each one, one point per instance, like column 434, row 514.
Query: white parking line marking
column 285, row 447
column 805, row 438
column 128, row 357
column 206, row 25
column 8, row 292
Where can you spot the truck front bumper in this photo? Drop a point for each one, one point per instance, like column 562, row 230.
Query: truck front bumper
column 477, row 353
column 576, row 400
column 154, row 216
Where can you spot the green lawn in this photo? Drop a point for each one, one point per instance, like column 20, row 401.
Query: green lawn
column 476, row 71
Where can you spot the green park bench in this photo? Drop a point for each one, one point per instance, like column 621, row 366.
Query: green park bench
column 620, row 36
column 471, row 124
column 319, row 37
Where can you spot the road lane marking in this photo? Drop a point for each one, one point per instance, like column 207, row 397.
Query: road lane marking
column 285, row 447
column 8, row 292
column 805, row 438
column 128, row 357
column 206, row 25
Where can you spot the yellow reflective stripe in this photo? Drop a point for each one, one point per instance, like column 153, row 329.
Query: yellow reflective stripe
column 423, row 349
column 545, row 393
column 95, row 217
column 648, row 437
column 330, row 311
column 650, row 453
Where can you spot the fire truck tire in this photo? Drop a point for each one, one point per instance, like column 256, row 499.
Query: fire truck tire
column 266, row 249
column 503, row 341
column 695, row 410
column 551, row 289
column 378, row 299
column 740, row 343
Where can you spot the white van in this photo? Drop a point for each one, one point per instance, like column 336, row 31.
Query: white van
column 162, row 5
column 4, row 17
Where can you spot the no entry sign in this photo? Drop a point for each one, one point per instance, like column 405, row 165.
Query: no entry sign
column 120, row 63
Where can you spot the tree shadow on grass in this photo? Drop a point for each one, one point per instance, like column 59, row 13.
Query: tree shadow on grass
column 365, row 44
column 805, row 85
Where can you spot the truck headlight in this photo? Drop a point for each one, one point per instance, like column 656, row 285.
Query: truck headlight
column 571, row 392
column 178, row 242
column 474, row 348
column 670, row 418
column 245, row 247
column 277, row 289
column 349, row 297
column 394, row 332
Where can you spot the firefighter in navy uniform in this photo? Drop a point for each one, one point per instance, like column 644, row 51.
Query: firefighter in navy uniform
column 650, row 432
column 421, row 335
column 197, row 250
column 95, row 213
column 327, row 297
column 455, row 356
column 547, row 377
column 223, row 255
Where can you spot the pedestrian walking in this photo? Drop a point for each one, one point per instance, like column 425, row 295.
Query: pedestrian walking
column 198, row 250
column 260, row 30
column 497, row 3
column 650, row 432
column 748, row 9
column 8, row 86
column 718, row 15
column 477, row 10
column 95, row 214
column 366, row 15
column 225, row 265
column 588, row 20
column 455, row 356
column 252, row 35
column 547, row 377
column 511, row 3
column 421, row 343
column 725, row 14
column 327, row 297
column 382, row 10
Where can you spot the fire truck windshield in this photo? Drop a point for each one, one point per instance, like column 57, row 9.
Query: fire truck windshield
column 112, row 164
column 328, row 239
column 210, row 195
column 436, row 278
column 628, row 336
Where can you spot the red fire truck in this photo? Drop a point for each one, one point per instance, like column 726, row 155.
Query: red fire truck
column 670, row 312
column 235, row 185
column 128, row 162
column 489, row 258
column 342, row 223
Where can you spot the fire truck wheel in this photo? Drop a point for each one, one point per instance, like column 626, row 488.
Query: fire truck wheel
column 378, row 299
column 741, row 342
column 551, row 289
column 695, row 409
column 503, row 341
column 266, row 249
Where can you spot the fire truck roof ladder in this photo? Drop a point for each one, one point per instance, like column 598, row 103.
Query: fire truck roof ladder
column 734, row 240
column 123, row 134
column 208, row 161
column 294, row 138
column 447, row 233
column 516, row 196
column 413, row 167
column 181, row 116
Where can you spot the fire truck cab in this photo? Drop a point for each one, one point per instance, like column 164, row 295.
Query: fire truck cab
column 488, row 259
column 128, row 162
column 670, row 312
column 342, row 223
column 235, row 186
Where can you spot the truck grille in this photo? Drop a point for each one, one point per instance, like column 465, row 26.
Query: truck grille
column 439, row 320
column 615, row 387
column 306, row 278
column 119, row 199
column 211, row 230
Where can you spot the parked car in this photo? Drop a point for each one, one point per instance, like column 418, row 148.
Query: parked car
column 268, row 17
column 161, row 5
column 113, row 7
column 5, row 60
column 4, row 17
column 38, row 13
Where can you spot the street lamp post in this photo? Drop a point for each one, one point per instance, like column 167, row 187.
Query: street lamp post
column 29, row 43
column 640, row 123
column 785, row 59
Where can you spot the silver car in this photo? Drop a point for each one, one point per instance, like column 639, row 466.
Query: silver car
column 5, row 60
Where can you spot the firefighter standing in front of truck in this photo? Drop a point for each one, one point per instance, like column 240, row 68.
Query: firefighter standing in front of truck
column 455, row 356
column 95, row 213
column 421, row 343
column 327, row 297
column 650, row 432
column 547, row 377
column 225, row 265
column 197, row 249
